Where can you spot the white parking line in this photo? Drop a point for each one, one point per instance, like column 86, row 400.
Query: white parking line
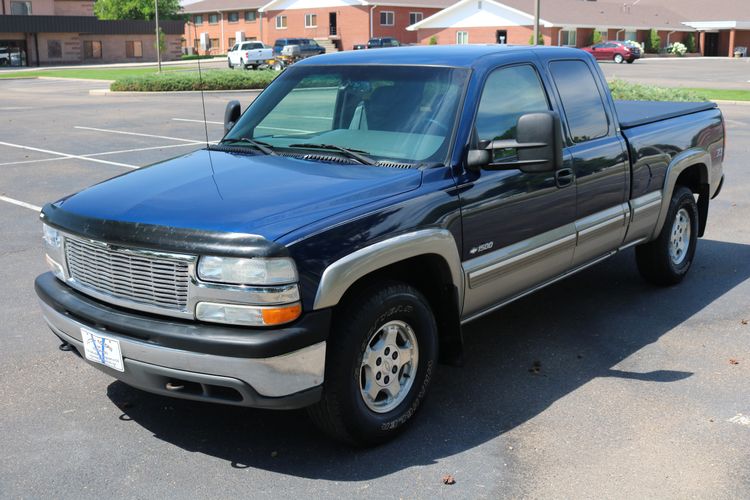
column 31, row 161
column 136, row 150
column 135, row 133
column 66, row 155
column 20, row 203
column 196, row 121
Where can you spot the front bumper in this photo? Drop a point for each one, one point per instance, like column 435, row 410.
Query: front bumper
column 263, row 368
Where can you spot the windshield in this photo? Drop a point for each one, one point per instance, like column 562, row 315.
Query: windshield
column 399, row 113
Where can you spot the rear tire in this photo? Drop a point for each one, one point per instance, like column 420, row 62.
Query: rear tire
column 618, row 58
column 666, row 260
column 242, row 64
column 381, row 357
column 630, row 61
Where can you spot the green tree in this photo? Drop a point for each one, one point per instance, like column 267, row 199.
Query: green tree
column 596, row 37
column 540, row 42
column 653, row 42
column 690, row 43
column 136, row 9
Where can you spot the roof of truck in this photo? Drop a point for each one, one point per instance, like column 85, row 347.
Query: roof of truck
column 433, row 55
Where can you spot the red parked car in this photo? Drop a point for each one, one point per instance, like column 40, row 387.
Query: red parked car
column 615, row 51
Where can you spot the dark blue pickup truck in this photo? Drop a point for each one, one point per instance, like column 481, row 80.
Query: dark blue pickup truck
column 326, row 253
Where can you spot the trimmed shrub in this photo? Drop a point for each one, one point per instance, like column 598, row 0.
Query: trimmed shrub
column 653, row 42
column 677, row 48
column 210, row 80
column 192, row 57
column 433, row 40
column 625, row 91
column 596, row 37
column 540, row 42
column 690, row 43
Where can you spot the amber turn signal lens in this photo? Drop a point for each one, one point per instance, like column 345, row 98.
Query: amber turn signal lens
column 279, row 315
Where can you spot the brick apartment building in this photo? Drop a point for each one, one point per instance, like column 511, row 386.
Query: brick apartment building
column 49, row 32
column 343, row 23
column 719, row 29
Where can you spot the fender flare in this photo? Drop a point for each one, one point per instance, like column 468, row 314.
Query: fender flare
column 679, row 164
column 339, row 276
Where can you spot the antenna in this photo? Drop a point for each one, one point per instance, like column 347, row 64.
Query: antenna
column 203, row 102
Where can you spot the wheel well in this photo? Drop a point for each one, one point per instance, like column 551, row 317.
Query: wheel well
column 695, row 178
column 430, row 275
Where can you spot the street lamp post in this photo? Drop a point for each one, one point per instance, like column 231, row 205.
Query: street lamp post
column 158, row 38
column 536, row 22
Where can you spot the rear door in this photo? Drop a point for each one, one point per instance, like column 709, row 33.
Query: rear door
column 600, row 160
column 518, row 228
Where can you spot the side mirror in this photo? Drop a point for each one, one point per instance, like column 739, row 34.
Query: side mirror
column 231, row 115
column 538, row 146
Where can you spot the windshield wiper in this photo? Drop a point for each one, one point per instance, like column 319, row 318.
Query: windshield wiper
column 355, row 154
column 263, row 147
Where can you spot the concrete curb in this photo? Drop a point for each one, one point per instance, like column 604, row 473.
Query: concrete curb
column 57, row 78
column 738, row 103
column 101, row 92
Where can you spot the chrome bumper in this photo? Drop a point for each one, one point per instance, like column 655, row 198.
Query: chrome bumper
column 285, row 381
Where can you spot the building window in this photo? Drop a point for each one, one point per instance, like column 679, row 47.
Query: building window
column 20, row 8
column 568, row 37
column 280, row 22
column 231, row 43
column 415, row 17
column 198, row 20
column 54, row 49
column 233, row 17
column 251, row 16
column 134, row 49
column 213, row 43
column 92, row 49
column 462, row 37
column 387, row 18
column 197, row 44
column 631, row 35
column 213, row 18
column 311, row 21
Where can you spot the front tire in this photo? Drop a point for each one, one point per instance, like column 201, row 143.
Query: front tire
column 381, row 358
column 667, row 260
column 229, row 63
column 618, row 58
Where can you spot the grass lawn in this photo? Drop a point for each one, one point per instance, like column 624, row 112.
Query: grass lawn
column 723, row 95
column 93, row 73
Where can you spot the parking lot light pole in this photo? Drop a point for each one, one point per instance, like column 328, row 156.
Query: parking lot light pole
column 536, row 22
column 158, row 39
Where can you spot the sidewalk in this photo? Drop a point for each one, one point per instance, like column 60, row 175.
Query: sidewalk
column 114, row 65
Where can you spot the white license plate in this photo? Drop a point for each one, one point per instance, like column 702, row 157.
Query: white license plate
column 102, row 349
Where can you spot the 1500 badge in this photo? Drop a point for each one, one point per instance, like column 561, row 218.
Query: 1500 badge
column 481, row 248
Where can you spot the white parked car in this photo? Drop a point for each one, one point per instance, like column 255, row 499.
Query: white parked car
column 248, row 55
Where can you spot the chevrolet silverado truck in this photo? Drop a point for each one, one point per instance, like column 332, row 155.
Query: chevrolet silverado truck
column 327, row 252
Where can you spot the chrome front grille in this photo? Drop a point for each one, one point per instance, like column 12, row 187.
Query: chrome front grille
column 140, row 277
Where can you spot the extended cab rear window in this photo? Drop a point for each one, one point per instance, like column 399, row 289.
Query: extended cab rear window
column 581, row 100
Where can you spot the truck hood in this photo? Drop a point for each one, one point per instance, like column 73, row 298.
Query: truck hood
column 238, row 193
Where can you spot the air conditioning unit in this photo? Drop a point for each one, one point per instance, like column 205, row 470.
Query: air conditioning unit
column 239, row 36
column 205, row 42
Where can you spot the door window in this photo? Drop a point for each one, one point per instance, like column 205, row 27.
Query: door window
column 508, row 94
column 581, row 100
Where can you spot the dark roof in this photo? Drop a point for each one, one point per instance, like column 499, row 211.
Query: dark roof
column 429, row 55
column 696, row 10
column 222, row 6
column 84, row 25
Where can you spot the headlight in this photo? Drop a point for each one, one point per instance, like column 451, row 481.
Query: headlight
column 54, row 251
column 240, row 271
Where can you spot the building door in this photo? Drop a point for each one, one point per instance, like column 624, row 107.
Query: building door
column 502, row 36
column 712, row 45
column 332, row 27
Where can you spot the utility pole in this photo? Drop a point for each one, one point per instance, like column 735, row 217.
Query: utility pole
column 536, row 22
column 158, row 38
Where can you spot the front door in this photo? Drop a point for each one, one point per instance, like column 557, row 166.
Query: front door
column 712, row 45
column 502, row 36
column 518, row 228
column 332, row 27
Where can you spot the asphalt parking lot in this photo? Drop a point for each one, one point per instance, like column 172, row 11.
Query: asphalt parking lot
column 599, row 386
column 691, row 72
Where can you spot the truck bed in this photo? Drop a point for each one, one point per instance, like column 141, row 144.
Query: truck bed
column 635, row 113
